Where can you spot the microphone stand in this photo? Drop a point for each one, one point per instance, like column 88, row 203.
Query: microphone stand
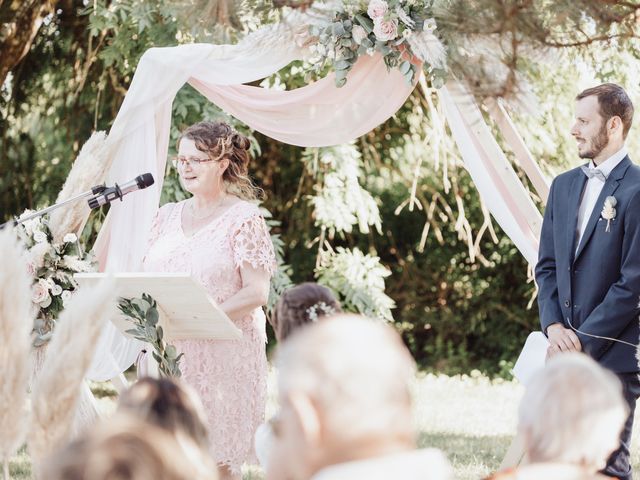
column 94, row 191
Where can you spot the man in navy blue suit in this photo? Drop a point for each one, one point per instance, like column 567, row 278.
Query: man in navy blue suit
column 588, row 270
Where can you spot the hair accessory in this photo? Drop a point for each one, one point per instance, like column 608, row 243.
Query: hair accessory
column 312, row 311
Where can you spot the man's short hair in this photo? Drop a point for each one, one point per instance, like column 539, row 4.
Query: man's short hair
column 358, row 372
column 613, row 102
column 572, row 412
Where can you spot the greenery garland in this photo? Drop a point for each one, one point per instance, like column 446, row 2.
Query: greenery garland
column 143, row 313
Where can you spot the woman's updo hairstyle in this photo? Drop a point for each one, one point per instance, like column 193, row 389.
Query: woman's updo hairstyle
column 303, row 304
column 218, row 140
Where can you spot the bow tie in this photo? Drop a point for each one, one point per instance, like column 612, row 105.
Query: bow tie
column 594, row 172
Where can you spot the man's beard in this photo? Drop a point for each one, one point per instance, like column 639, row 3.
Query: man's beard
column 598, row 143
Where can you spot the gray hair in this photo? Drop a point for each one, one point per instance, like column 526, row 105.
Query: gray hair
column 572, row 412
column 358, row 373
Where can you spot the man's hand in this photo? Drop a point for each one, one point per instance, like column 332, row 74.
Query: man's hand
column 563, row 339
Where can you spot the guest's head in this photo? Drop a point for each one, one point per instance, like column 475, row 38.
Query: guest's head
column 344, row 391
column 126, row 448
column 212, row 156
column 301, row 305
column 168, row 404
column 572, row 412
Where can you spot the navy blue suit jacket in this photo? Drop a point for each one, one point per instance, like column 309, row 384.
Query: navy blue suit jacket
column 597, row 288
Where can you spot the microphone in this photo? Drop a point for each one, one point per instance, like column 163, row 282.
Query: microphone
column 118, row 191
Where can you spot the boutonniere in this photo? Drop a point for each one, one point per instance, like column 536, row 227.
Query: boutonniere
column 609, row 211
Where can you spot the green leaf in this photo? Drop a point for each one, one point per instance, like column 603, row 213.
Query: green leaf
column 171, row 352
column 365, row 22
column 342, row 65
column 340, row 82
column 338, row 29
column 152, row 316
column 405, row 67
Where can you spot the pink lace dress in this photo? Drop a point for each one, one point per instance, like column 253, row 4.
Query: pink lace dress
column 229, row 375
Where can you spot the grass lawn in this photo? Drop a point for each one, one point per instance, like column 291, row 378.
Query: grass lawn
column 471, row 418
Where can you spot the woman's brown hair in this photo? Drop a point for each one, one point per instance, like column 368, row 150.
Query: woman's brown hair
column 300, row 305
column 218, row 140
column 169, row 404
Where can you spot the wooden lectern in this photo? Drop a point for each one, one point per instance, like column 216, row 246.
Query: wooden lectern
column 186, row 310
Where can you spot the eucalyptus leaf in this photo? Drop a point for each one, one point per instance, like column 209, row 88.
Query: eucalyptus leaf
column 171, row 352
column 365, row 22
column 342, row 65
column 152, row 316
column 405, row 67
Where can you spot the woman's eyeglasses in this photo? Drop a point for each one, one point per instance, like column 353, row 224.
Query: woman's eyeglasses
column 193, row 161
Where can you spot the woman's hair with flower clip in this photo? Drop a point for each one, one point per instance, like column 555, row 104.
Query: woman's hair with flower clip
column 303, row 304
column 218, row 140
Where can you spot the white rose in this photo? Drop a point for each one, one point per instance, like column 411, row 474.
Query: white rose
column 39, row 236
column 377, row 9
column 46, row 302
column 358, row 33
column 406, row 33
column 385, row 30
column 70, row 238
column 40, row 293
column 56, row 289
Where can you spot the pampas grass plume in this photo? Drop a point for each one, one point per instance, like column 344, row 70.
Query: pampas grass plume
column 57, row 389
column 89, row 169
column 16, row 323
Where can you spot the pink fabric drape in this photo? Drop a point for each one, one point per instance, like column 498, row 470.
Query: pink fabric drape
column 318, row 114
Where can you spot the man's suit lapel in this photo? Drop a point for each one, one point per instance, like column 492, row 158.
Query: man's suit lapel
column 575, row 194
column 610, row 186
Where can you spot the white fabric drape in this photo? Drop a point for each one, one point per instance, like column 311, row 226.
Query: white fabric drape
column 499, row 186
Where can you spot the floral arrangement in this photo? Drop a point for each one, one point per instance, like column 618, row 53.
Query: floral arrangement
column 402, row 31
column 52, row 266
column 143, row 313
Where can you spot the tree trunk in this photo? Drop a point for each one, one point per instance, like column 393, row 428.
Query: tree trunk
column 20, row 20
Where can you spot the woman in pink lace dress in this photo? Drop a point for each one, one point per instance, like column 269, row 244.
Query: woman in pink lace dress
column 221, row 239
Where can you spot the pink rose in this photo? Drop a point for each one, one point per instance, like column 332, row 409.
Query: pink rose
column 40, row 293
column 358, row 33
column 377, row 9
column 385, row 30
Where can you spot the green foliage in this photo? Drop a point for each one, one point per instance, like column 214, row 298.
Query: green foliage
column 339, row 201
column 143, row 314
column 359, row 280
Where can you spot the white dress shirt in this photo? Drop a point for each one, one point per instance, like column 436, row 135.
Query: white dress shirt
column 592, row 190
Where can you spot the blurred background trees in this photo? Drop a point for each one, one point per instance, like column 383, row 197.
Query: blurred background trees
column 391, row 222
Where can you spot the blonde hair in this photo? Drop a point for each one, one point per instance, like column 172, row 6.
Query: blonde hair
column 572, row 412
column 168, row 404
column 219, row 141
column 125, row 448
column 357, row 371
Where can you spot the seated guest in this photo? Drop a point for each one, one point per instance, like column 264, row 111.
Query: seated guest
column 346, row 408
column 168, row 404
column 570, row 418
column 125, row 448
column 301, row 305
